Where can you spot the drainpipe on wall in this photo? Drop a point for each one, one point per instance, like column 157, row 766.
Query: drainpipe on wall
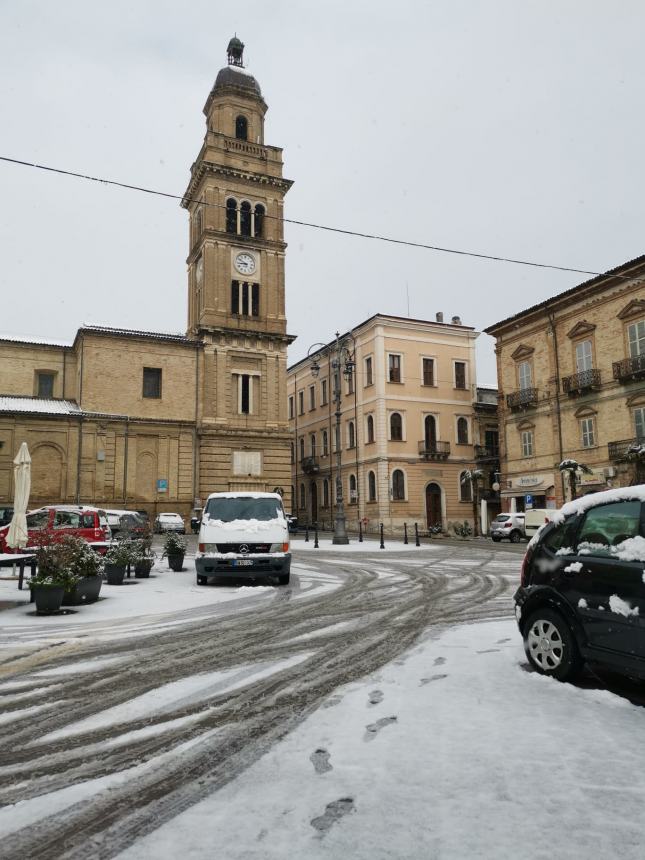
column 80, row 428
column 557, row 394
column 195, row 454
column 125, row 462
column 296, row 489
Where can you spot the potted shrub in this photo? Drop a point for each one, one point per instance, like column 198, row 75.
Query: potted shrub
column 117, row 559
column 144, row 558
column 54, row 577
column 87, row 566
column 174, row 549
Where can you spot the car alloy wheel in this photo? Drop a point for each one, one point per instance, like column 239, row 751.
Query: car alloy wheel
column 515, row 537
column 550, row 646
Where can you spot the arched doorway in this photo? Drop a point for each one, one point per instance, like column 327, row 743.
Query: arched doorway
column 433, row 505
column 314, row 503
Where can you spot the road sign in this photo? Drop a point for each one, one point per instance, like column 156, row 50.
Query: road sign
column 528, row 502
column 162, row 485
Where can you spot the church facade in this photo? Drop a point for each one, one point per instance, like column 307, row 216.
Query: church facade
column 157, row 421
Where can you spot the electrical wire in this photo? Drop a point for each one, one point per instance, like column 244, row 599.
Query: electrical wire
column 310, row 224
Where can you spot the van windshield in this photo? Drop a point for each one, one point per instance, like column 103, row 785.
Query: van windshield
column 244, row 508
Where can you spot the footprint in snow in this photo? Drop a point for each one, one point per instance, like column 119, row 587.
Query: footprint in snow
column 373, row 729
column 501, row 641
column 439, row 661
column 334, row 811
column 488, row 651
column 320, row 761
column 375, row 697
column 432, row 678
column 331, row 701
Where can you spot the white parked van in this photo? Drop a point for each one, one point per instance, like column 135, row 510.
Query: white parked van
column 535, row 518
column 243, row 535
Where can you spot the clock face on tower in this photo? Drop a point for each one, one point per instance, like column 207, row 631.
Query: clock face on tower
column 245, row 264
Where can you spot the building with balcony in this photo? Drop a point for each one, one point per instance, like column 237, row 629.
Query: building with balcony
column 571, row 377
column 407, row 431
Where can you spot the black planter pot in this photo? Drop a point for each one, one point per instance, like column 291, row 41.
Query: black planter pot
column 48, row 597
column 86, row 590
column 142, row 568
column 114, row 574
column 176, row 562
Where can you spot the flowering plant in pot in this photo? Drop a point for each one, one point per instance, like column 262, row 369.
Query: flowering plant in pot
column 117, row 559
column 54, row 576
column 174, row 549
column 87, row 565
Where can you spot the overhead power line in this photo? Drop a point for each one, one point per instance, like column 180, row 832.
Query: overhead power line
column 325, row 227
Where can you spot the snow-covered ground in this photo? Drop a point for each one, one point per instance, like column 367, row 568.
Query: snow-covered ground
column 452, row 751
column 367, row 545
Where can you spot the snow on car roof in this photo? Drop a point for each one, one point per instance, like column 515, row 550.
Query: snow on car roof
column 245, row 496
column 166, row 515
column 584, row 503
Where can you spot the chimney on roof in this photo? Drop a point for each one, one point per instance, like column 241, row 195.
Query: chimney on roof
column 456, row 320
column 439, row 316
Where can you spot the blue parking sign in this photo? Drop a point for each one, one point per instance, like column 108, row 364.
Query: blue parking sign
column 528, row 502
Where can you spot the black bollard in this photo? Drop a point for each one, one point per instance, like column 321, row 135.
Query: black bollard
column 382, row 546
column 316, row 537
column 360, row 531
column 306, row 534
column 416, row 535
column 405, row 532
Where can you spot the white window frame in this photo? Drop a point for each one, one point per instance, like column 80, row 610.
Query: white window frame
column 390, row 413
column 435, row 370
column 584, row 356
column 526, row 443
column 636, row 338
column 639, row 418
column 401, row 368
column 588, row 432
column 455, row 362
column 468, row 430
column 368, row 361
column 521, row 377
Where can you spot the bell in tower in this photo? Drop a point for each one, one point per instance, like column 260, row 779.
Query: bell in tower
column 235, row 50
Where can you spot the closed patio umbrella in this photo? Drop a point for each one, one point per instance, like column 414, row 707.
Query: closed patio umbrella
column 17, row 535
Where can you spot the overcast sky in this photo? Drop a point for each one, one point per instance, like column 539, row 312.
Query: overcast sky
column 501, row 127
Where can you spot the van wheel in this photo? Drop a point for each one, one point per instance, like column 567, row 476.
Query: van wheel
column 283, row 578
column 550, row 645
column 202, row 580
column 515, row 537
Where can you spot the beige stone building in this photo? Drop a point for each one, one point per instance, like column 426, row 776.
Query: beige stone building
column 571, row 376
column 408, row 426
column 157, row 421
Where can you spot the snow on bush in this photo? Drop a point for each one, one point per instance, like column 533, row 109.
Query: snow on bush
column 621, row 607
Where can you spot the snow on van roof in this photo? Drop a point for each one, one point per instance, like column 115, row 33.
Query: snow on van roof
column 242, row 495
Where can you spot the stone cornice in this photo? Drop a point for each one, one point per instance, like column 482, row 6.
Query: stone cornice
column 251, row 177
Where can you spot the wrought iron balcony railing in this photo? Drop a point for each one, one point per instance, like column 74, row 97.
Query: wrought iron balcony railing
column 619, row 451
column 525, row 398
column 433, row 450
column 484, row 452
column 310, row 466
column 578, row 383
column 629, row 369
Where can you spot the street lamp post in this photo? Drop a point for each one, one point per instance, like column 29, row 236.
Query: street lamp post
column 342, row 361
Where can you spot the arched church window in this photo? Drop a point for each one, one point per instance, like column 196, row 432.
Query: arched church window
column 245, row 218
column 259, row 220
column 231, row 215
column 242, row 128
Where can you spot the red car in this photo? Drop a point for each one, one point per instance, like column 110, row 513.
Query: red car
column 57, row 521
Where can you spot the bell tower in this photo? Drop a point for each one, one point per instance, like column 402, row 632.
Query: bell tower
column 236, row 296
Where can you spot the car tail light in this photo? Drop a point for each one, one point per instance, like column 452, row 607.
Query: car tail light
column 201, row 547
column 507, row 525
column 285, row 547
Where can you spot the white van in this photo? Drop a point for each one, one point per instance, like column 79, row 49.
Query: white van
column 535, row 518
column 243, row 535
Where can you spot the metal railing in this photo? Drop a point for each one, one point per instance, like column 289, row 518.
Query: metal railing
column 434, row 450
column 629, row 368
column 522, row 399
column 618, row 451
column 310, row 465
column 585, row 380
column 484, row 452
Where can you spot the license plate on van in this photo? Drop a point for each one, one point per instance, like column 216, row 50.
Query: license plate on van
column 242, row 562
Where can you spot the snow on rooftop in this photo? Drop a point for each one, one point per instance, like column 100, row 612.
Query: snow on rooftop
column 38, row 404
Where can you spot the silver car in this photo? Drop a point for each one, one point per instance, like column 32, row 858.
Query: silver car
column 509, row 527
column 170, row 523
